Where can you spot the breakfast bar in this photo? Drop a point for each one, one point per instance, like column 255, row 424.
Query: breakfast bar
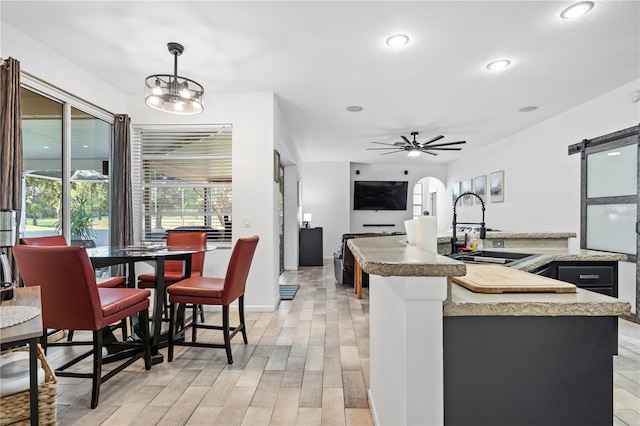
column 439, row 351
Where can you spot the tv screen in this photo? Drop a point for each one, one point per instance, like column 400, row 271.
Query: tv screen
column 380, row 195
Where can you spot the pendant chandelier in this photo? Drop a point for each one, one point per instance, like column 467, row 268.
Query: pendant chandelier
column 172, row 93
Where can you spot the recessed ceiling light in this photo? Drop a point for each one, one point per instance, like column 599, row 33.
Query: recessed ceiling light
column 528, row 108
column 613, row 154
column 397, row 40
column 354, row 108
column 85, row 146
column 45, row 147
column 498, row 64
column 576, row 10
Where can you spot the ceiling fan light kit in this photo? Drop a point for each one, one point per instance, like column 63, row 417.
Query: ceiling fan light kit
column 414, row 148
column 173, row 93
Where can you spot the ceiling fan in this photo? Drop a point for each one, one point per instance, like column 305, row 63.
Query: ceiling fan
column 414, row 148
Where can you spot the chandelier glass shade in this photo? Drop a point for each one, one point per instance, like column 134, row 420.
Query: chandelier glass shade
column 173, row 93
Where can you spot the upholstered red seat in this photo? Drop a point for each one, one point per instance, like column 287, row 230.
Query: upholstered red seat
column 174, row 269
column 214, row 291
column 71, row 300
column 59, row 240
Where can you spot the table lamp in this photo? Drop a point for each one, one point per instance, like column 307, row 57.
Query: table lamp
column 7, row 239
column 306, row 218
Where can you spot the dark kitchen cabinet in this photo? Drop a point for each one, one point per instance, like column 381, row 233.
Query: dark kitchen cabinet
column 599, row 277
column 310, row 246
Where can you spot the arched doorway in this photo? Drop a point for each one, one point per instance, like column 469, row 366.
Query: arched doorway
column 430, row 195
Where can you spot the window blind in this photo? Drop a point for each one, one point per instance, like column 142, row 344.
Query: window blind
column 184, row 181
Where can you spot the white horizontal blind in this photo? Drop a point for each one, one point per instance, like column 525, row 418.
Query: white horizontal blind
column 185, row 180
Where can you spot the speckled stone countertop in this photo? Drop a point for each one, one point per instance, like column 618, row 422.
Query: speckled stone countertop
column 462, row 302
column 393, row 256
column 548, row 255
column 499, row 235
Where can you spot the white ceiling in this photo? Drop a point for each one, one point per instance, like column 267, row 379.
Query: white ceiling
column 319, row 57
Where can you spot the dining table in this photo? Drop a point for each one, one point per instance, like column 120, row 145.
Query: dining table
column 24, row 308
column 105, row 256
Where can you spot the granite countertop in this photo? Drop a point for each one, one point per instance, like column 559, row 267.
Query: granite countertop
column 393, row 256
column 548, row 255
column 496, row 235
column 463, row 302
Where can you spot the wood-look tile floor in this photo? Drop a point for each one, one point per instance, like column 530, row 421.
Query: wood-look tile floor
column 307, row 363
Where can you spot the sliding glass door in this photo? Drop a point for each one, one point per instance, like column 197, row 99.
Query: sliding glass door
column 66, row 168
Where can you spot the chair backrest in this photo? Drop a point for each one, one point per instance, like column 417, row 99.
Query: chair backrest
column 238, row 269
column 53, row 240
column 68, row 289
column 187, row 239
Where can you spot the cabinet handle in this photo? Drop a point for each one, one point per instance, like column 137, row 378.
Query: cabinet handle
column 589, row 277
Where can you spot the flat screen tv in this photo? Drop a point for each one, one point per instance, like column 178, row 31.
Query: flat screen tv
column 380, row 195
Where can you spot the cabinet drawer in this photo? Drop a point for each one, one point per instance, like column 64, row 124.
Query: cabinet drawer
column 586, row 276
column 607, row 291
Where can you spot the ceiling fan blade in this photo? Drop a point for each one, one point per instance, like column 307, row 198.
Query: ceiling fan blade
column 392, row 152
column 376, row 149
column 406, row 140
column 437, row 138
column 446, row 144
column 399, row 143
column 444, row 149
column 382, row 143
column 428, row 152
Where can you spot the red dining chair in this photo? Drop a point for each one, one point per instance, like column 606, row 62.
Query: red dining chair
column 174, row 269
column 60, row 240
column 72, row 300
column 213, row 291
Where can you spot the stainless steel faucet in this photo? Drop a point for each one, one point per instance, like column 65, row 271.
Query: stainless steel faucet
column 483, row 231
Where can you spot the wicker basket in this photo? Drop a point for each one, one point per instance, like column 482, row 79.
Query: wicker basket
column 14, row 408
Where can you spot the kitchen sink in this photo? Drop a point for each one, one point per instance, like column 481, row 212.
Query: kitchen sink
column 492, row 257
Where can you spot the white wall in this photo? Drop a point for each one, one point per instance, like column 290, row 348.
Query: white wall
column 255, row 193
column 39, row 60
column 542, row 182
column 292, row 217
column 325, row 194
column 387, row 172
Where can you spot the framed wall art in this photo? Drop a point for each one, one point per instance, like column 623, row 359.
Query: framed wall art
column 467, row 186
column 496, row 187
column 455, row 191
column 480, row 185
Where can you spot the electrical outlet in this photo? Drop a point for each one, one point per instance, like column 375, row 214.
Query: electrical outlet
column 498, row 243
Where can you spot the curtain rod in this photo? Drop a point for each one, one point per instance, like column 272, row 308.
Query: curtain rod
column 40, row 80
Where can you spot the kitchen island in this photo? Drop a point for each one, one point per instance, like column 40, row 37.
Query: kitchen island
column 416, row 313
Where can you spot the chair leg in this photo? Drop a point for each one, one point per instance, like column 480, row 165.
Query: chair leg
column 146, row 338
column 241, row 315
column 225, row 332
column 123, row 326
column 194, row 319
column 97, row 367
column 201, row 309
column 69, row 335
column 173, row 328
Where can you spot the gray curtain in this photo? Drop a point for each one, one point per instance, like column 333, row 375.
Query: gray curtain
column 121, row 215
column 10, row 140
